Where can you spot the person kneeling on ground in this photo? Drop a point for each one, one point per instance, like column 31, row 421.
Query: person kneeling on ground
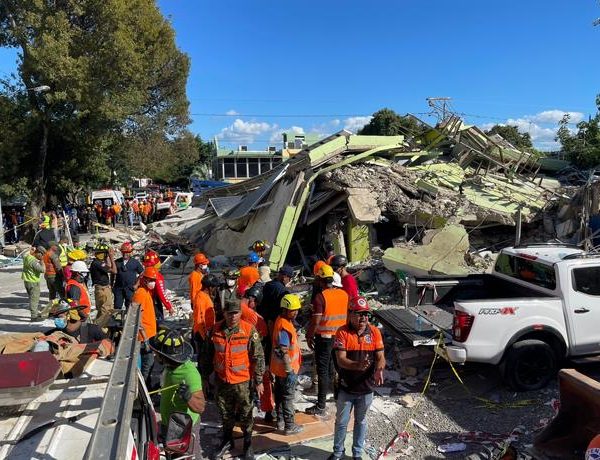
column 182, row 385
column 68, row 321
column 360, row 361
column 285, row 363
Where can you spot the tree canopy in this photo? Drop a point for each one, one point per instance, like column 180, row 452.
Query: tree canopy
column 99, row 90
column 386, row 122
column 582, row 147
column 522, row 141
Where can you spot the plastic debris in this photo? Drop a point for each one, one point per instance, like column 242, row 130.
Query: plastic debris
column 453, row 447
column 418, row 424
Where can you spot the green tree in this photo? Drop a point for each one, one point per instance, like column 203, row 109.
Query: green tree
column 521, row 141
column 91, row 73
column 582, row 147
column 386, row 122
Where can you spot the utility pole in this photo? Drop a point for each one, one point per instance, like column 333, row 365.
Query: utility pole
column 439, row 105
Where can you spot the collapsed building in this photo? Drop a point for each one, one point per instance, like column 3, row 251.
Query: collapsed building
column 425, row 199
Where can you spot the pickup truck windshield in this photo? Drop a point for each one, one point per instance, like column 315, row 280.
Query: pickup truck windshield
column 526, row 270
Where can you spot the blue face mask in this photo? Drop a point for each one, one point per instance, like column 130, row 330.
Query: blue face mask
column 60, row 323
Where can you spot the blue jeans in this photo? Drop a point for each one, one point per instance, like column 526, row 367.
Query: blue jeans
column 345, row 403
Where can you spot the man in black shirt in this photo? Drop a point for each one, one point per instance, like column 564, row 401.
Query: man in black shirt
column 128, row 269
column 273, row 292
column 100, row 269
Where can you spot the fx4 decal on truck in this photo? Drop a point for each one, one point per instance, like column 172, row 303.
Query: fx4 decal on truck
column 498, row 311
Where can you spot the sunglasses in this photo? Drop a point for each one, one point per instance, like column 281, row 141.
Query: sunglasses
column 362, row 314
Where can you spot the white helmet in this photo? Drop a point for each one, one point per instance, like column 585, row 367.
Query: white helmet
column 79, row 267
column 337, row 280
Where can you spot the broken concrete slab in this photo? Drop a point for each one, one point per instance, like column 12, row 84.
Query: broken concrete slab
column 363, row 205
column 445, row 254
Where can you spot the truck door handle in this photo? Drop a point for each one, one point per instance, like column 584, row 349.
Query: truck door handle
column 581, row 310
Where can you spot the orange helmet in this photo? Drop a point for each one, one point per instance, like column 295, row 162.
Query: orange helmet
column 150, row 273
column 126, row 247
column 151, row 258
column 201, row 259
column 318, row 266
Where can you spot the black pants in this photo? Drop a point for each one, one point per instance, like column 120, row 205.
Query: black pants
column 284, row 389
column 324, row 361
column 122, row 294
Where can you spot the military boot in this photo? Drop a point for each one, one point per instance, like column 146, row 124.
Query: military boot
column 248, row 451
column 227, row 444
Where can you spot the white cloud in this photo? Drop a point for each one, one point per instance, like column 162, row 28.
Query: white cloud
column 245, row 131
column 554, row 116
column 277, row 136
column 355, row 123
column 335, row 122
column 231, row 112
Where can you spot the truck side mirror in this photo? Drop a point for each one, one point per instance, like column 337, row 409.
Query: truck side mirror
column 179, row 433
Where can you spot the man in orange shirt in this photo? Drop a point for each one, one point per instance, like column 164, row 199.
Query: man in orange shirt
column 195, row 279
column 248, row 274
column 143, row 297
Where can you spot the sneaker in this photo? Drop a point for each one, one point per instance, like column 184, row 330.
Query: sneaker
column 280, row 425
column 294, row 429
column 315, row 410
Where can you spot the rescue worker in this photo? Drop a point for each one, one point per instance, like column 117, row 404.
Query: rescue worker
column 203, row 320
column 201, row 263
column 144, row 297
column 227, row 291
column 260, row 247
column 128, row 270
column 349, row 284
column 248, row 274
column 182, row 385
column 265, row 273
column 285, row 363
column 101, row 268
column 53, row 271
column 248, row 305
column 360, row 361
column 67, row 320
column 234, row 347
column 76, row 289
column 330, row 309
column 33, row 268
column 73, row 256
column 44, row 235
column 63, row 254
column 151, row 259
column 272, row 294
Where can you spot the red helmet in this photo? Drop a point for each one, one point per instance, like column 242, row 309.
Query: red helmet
column 151, row 258
column 126, row 247
column 201, row 259
column 358, row 304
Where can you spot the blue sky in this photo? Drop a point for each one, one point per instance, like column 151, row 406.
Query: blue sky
column 320, row 66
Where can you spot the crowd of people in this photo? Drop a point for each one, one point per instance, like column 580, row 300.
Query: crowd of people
column 133, row 211
column 245, row 334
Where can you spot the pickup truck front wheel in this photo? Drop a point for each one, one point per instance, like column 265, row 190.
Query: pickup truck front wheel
column 529, row 365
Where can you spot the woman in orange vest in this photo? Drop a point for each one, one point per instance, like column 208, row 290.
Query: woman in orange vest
column 143, row 296
column 195, row 279
column 285, row 363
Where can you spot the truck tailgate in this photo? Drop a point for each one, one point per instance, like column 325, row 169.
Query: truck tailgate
column 418, row 325
column 65, row 398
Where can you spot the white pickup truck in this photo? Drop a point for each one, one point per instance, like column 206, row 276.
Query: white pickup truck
column 539, row 307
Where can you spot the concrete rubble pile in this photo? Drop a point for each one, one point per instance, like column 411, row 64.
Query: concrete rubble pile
column 368, row 194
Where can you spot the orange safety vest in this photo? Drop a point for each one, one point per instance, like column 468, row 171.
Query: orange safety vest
column 277, row 365
column 84, row 300
column 231, row 360
column 47, row 259
column 204, row 313
column 195, row 282
column 336, row 311
column 143, row 297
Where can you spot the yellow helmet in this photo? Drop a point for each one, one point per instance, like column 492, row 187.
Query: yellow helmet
column 77, row 254
column 290, row 302
column 325, row 272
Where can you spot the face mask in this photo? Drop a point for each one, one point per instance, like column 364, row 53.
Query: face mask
column 60, row 323
column 205, row 268
column 230, row 283
column 151, row 285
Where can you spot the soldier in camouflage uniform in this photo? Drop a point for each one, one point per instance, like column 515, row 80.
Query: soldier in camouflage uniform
column 233, row 341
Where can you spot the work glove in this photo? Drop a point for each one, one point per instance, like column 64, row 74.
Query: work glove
column 183, row 391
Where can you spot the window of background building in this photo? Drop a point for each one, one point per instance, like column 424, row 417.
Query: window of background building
column 241, row 167
column 265, row 165
column 229, row 167
column 253, row 169
column 276, row 161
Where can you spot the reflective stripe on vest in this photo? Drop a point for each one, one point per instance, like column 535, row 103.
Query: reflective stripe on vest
column 84, row 300
column 63, row 255
column 231, row 360
column 336, row 311
column 277, row 365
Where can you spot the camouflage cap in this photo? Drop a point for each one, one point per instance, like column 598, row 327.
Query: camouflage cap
column 232, row 305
